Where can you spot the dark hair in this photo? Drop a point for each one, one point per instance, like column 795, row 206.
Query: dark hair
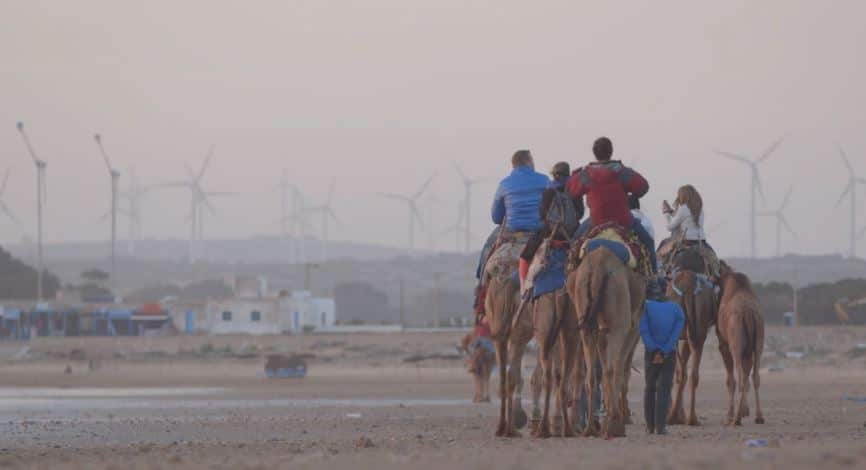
column 602, row 149
column 521, row 158
column 633, row 202
column 560, row 170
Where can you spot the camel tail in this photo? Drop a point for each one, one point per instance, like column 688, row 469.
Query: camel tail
column 688, row 284
column 597, row 283
column 758, row 348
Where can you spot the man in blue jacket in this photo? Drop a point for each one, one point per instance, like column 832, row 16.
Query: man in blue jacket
column 516, row 205
column 660, row 328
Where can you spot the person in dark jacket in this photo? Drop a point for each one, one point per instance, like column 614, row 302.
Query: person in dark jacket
column 660, row 329
column 560, row 174
column 607, row 185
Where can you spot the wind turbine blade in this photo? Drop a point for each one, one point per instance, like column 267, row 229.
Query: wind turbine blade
column 460, row 172
column 30, row 150
column 206, row 162
column 733, row 156
column 786, row 199
column 189, row 172
column 758, row 181
column 845, row 159
column 771, row 149
column 423, row 188
column 844, row 193
column 8, row 212
column 397, row 197
column 417, row 216
column 5, row 182
column 785, row 224
column 98, row 139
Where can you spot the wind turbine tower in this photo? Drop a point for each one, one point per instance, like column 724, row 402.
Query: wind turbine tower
column 756, row 187
column 851, row 191
column 467, row 205
column 115, row 179
column 41, row 193
column 781, row 221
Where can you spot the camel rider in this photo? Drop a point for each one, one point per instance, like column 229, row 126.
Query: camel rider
column 685, row 221
column 607, row 185
column 660, row 329
column 560, row 213
column 516, row 205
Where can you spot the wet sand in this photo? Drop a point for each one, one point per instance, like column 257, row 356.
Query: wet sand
column 374, row 411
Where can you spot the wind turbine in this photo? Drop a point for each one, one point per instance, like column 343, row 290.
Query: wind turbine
column 412, row 206
column 851, row 190
column 41, row 195
column 467, row 204
column 115, row 179
column 133, row 196
column 756, row 186
column 781, row 221
column 327, row 211
column 3, row 206
column 291, row 223
column 200, row 199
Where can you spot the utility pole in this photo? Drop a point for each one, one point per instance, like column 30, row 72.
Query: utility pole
column 402, row 309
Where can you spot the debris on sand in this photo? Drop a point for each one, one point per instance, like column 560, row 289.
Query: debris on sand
column 434, row 356
column 364, row 442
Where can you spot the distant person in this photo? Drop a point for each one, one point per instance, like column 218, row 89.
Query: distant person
column 514, row 211
column 660, row 329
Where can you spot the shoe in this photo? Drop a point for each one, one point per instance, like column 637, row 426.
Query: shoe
column 662, row 432
column 650, row 430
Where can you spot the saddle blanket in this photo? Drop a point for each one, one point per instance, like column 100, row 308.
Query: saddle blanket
column 553, row 276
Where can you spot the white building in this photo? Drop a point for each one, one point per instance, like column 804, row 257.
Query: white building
column 298, row 313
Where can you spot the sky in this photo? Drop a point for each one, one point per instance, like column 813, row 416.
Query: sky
column 378, row 95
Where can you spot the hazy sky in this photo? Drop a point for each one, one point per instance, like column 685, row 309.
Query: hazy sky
column 381, row 94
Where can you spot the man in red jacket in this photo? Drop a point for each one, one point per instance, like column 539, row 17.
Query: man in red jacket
column 607, row 185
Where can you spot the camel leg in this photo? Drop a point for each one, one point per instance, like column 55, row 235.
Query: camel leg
column 677, row 414
column 515, row 385
column 634, row 338
column 547, row 382
column 731, row 383
column 485, row 380
column 744, row 369
column 567, row 351
column 501, row 359
column 536, row 387
column 590, row 356
column 756, row 377
column 579, row 384
column 698, row 350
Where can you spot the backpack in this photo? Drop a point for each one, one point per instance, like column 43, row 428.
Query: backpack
column 562, row 213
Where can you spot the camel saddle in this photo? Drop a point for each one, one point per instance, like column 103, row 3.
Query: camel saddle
column 678, row 255
column 503, row 262
column 622, row 242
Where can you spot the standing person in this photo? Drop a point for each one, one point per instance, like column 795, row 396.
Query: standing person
column 607, row 185
column 660, row 329
column 514, row 211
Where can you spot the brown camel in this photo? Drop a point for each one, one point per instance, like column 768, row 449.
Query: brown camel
column 479, row 363
column 555, row 330
column 699, row 305
column 608, row 298
column 740, row 329
column 501, row 303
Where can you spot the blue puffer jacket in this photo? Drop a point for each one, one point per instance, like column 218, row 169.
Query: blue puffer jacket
column 661, row 326
column 518, row 197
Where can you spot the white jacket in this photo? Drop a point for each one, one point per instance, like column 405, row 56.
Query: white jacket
column 645, row 221
column 682, row 220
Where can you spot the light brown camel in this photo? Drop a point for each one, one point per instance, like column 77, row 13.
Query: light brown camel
column 501, row 303
column 608, row 298
column 479, row 364
column 555, row 330
column 740, row 329
column 698, row 302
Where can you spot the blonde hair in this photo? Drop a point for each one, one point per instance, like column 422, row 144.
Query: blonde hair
column 689, row 196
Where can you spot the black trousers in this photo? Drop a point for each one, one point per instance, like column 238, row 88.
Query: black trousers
column 657, row 394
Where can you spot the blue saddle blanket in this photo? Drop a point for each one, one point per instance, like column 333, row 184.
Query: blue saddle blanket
column 616, row 248
column 552, row 277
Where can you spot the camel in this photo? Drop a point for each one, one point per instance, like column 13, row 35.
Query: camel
column 740, row 329
column 479, row 364
column 698, row 302
column 555, row 330
column 501, row 302
column 608, row 298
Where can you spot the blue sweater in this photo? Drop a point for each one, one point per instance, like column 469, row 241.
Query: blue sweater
column 661, row 326
column 517, row 199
